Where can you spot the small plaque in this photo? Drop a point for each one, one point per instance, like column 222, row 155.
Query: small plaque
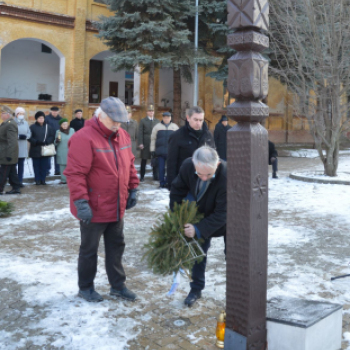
column 234, row 340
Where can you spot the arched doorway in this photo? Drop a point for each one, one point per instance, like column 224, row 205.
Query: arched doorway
column 32, row 69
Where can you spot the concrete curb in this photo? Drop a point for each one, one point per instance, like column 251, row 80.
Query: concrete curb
column 331, row 181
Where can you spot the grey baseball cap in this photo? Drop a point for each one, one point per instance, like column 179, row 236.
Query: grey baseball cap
column 115, row 109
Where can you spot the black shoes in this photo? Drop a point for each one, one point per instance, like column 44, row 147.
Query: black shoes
column 21, row 185
column 13, row 191
column 125, row 293
column 57, row 173
column 142, row 179
column 43, row 182
column 38, row 183
column 274, row 176
column 192, row 297
column 90, row 295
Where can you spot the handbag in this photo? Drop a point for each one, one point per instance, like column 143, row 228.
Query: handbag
column 48, row 150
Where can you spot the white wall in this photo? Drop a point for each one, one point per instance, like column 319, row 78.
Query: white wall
column 166, row 86
column 26, row 72
column 108, row 75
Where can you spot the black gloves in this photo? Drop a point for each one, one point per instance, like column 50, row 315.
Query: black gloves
column 57, row 140
column 40, row 143
column 153, row 154
column 8, row 159
column 84, row 211
column 132, row 199
column 22, row 137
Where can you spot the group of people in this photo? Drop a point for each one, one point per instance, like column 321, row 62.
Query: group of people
column 15, row 134
column 99, row 168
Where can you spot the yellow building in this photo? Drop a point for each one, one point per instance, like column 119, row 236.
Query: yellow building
column 50, row 56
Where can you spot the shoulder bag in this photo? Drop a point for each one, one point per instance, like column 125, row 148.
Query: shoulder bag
column 48, row 150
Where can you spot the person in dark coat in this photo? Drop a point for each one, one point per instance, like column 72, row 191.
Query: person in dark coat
column 145, row 130
column 53, row 120
column 8, row 154
column 220, row 137
column 273, row 159
column 159, row 144
column 42, row 134
column 202, row 178
column 132, row 128
column 183, row 142
column 78, row 122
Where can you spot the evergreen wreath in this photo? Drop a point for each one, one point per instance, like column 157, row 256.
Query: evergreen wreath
column 168, row 249
column 5, row 209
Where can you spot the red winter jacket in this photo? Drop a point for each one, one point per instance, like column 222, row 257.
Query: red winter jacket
column 100, row 168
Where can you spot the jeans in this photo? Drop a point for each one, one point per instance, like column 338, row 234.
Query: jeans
column 40, row 168
column 20, row 168
column 114, row 248
column 274, row 166
column 161, row 165
column 9, row 172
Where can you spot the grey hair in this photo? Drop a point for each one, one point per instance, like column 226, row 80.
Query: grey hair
column 193, row 110
column 99, row 111
column 207, row 156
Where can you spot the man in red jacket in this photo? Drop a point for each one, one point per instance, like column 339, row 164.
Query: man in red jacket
column 102, row 181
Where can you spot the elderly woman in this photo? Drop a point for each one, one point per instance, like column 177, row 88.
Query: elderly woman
column 61, row 142
column 24, row 134
column 42, row 134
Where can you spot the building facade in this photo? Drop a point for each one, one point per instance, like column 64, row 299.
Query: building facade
column 50, row 56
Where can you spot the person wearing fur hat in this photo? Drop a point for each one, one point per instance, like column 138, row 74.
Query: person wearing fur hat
column 61, row 142
column 220, row 137
column 42, row 134
column 24, row 134
column 78, row 122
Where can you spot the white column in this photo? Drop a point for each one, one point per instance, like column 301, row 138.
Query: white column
column 137, row 86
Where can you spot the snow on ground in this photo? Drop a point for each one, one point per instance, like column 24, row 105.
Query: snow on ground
column 308, row 244
column 309, row 153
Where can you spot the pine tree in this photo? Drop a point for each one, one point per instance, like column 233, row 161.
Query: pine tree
column 213, row 35
column 148, row 33
column 5, row 209
column 167, row 250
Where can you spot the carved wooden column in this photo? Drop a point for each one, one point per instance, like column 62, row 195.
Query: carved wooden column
column 247, row 158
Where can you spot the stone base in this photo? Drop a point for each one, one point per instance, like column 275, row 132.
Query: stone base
column 296, row 324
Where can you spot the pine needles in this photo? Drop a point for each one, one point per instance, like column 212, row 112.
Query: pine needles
column 168, row 249
column 5, row 209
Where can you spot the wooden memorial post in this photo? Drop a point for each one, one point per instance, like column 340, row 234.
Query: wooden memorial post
column 247, row 184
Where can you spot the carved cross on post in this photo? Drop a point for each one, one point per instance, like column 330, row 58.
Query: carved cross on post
column 247, row 184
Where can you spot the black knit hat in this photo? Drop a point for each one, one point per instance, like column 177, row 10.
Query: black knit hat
column 166, row 114
column 224, row 118
column 39, row 114
column 54, row 108
column 78, row 110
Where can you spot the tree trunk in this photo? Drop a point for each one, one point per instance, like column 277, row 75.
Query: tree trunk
column 150, row 98
column 177, row 96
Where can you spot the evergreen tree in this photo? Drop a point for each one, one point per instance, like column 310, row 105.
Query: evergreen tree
column 213, row 31
column 148, row 33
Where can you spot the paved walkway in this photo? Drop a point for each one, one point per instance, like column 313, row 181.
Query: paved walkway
column 43, row 233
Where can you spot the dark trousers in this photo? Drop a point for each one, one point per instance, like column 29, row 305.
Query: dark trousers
column 143, row 170
column 57, row 166
column 114, row 248
column 40, row 168
column 20, row 169
column 9, row 172
column 161, row 165
column 274, row 166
